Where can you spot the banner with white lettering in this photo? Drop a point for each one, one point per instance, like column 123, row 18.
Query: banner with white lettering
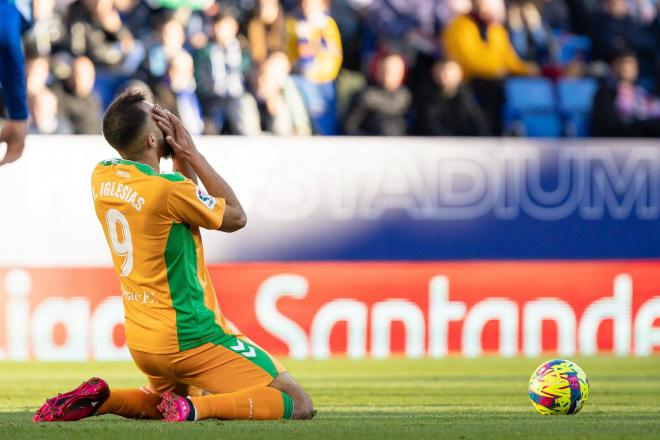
column 366, row 199
column 359, row 310
column 363, row 248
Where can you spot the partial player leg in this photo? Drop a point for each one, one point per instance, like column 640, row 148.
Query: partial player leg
column 94, row 397
column 257, row 403
column 282, row 398
column 136, row 403
column 245, row 382
column 143, row 402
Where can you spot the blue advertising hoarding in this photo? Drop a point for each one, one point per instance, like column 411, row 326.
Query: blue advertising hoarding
column 359, row 199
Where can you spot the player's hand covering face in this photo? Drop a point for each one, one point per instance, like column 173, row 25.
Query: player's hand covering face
column 176, row 135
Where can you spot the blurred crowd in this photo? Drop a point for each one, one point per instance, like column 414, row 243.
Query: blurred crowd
column 328, row 67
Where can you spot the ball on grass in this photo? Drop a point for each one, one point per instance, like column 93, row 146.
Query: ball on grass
column 558, row 387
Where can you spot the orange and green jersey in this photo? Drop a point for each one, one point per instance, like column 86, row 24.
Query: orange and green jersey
column 151, row 222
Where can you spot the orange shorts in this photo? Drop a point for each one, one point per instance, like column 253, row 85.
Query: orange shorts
column 232, row 365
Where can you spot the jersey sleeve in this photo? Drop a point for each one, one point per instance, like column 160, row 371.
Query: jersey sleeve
column 187, row 203
column 12, row 72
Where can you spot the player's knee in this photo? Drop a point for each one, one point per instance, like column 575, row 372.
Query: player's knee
column 303, row 408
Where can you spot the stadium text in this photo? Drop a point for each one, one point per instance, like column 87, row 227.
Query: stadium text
column 593, row 182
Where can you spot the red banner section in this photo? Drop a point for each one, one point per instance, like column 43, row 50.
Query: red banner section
column 361, row 309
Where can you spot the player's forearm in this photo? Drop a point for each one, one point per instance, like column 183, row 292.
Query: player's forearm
column 213, row 182
column 182, row 166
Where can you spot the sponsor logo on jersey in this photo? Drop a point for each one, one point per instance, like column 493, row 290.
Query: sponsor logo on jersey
column 206, row 199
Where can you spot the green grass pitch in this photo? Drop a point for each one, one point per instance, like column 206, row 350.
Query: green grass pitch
column 399, row 398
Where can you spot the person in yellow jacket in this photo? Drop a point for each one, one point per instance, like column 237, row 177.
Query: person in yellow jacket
column 314, row 43
column 481, row 45
column 315, row 50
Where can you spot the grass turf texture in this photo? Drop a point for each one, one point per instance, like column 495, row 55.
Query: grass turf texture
column 448, row 398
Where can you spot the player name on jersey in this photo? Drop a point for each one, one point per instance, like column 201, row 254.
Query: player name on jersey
column 122, row 192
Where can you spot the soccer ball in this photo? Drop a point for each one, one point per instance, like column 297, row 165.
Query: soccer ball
column 558, row 387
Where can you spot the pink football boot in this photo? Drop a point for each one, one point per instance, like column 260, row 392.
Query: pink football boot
column 82, row 402
column 175, row 408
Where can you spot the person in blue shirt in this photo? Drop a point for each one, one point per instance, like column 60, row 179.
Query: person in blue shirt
column 15, row 17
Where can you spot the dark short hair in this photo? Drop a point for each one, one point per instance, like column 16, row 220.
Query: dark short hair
column 228, row 12
column 620, row 54
column 124, row 120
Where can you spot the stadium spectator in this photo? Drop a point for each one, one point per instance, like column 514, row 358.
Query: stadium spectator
column 529, row 34
column 176, row 92
column 408, row 23
column 48, row 33
column 220, row 75
column 37, row 74
column 281, row 106
column 78, row 101
column 169, row 42
column 621, row 107
column 481, row 45
column 613, row 30
column 266, row 31
column 356, row 38
column 46, row 118
column 122, row 35
column 449, row 109
column 382, row 108
column 314, row 48
column 95, row 30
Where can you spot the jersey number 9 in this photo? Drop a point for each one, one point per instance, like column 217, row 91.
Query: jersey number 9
column 122, row 248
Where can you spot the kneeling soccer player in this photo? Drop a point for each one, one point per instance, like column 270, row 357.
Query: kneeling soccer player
column 174, row 329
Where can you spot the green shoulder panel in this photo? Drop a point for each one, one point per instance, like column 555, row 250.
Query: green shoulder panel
column 145, row 169
column 173, row 177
